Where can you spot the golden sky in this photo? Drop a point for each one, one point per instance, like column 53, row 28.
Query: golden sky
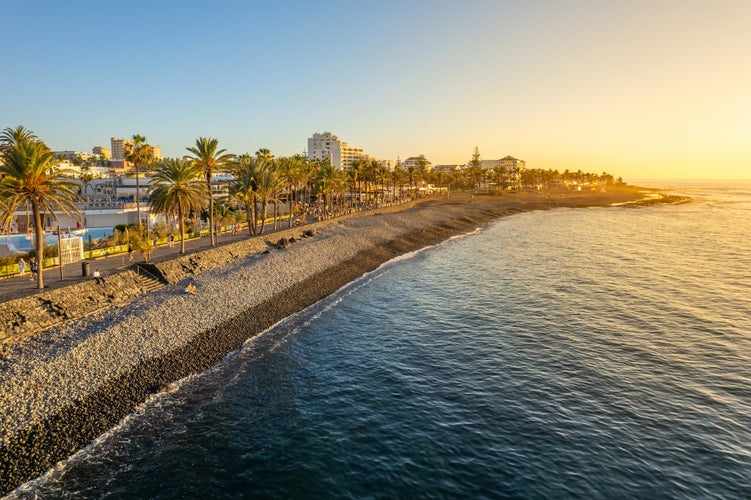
column 638, row 88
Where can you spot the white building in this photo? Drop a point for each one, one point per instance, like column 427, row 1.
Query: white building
column 327, row 146
column 416, row 161
column 448, row 168
column 72, row 155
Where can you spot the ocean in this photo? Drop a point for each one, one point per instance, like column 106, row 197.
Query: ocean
column 601, row 352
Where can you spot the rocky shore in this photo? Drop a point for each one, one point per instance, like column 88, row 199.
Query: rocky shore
column 62, row 388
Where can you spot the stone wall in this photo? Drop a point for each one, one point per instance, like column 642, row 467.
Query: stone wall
column 23, row 317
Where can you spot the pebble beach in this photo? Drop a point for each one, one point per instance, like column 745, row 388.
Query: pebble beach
column 61, row 389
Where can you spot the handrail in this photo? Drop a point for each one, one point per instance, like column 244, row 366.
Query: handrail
column 140, row 269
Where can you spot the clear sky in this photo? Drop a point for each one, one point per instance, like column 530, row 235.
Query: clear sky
column 638, row 88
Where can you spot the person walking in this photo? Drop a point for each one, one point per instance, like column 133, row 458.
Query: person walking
column 34, row 268
column 21, row 267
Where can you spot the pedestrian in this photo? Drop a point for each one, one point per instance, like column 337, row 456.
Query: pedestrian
column 33, row 268
column 98, row 277
column 21, row 266
column 170, row 239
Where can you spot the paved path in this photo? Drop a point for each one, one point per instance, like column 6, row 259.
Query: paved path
column 22, row 286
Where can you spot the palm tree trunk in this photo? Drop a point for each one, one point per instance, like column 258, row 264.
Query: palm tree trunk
column 252, row 217
column 265, row 205
column 39, row 244
column 181, row 226
column 291, row 201
column 211, row 210
column 249, row 217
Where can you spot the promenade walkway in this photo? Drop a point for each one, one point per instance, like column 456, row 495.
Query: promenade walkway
column 16, row 287
column 22, row 286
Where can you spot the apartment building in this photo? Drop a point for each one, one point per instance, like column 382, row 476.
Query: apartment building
column 328, row 146
column 118, row 147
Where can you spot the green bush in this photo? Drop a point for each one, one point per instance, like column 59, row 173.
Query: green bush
column 161, row 229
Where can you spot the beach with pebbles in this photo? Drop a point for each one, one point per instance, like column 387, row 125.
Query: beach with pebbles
column 61, row 389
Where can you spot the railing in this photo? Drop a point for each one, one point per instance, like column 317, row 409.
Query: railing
column 141, row 270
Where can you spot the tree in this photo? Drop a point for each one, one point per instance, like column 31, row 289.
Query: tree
column 177, row 189
column 138, row 153
column 210, row 159
column 397, row 178
column 355, row 174
column 269, row 184
column 330, row 180
column 475, row 162
column 264, row 154
column 244, row 189
column 474, row 168
column 423, row 165
column 288, row 167
column 29, row 175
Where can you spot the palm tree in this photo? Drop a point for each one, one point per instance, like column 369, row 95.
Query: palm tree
column 139, row 153
column 286, row 167
column 331, row 181
column 244, row 189
column 177, row 189
column 10, row 136
column 210, row 159
column 269, row 184
column 29, row 175
column 264, row 154
column 299, row 176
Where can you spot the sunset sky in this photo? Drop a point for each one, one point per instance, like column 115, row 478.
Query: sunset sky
column 641, row 89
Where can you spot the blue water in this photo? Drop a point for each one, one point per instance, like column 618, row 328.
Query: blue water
column 26, row 242
column 570, row 353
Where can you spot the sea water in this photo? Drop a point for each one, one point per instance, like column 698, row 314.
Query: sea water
column 601, row 352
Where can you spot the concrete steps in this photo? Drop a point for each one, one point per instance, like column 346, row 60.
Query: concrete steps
column 149, row 282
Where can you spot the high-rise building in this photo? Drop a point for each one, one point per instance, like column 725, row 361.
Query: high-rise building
column 328, row 146
column 118, row 147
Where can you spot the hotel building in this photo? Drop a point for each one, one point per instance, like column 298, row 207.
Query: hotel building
column 328, row 146
column 118, row 147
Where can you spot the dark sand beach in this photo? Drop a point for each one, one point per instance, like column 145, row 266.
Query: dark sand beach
column 64, row 387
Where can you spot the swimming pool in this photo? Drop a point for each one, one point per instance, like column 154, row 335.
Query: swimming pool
column 26, row 242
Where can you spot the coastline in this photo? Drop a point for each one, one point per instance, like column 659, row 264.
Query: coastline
column 61, row 389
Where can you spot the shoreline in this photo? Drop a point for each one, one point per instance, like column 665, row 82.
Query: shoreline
column 61, row 389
